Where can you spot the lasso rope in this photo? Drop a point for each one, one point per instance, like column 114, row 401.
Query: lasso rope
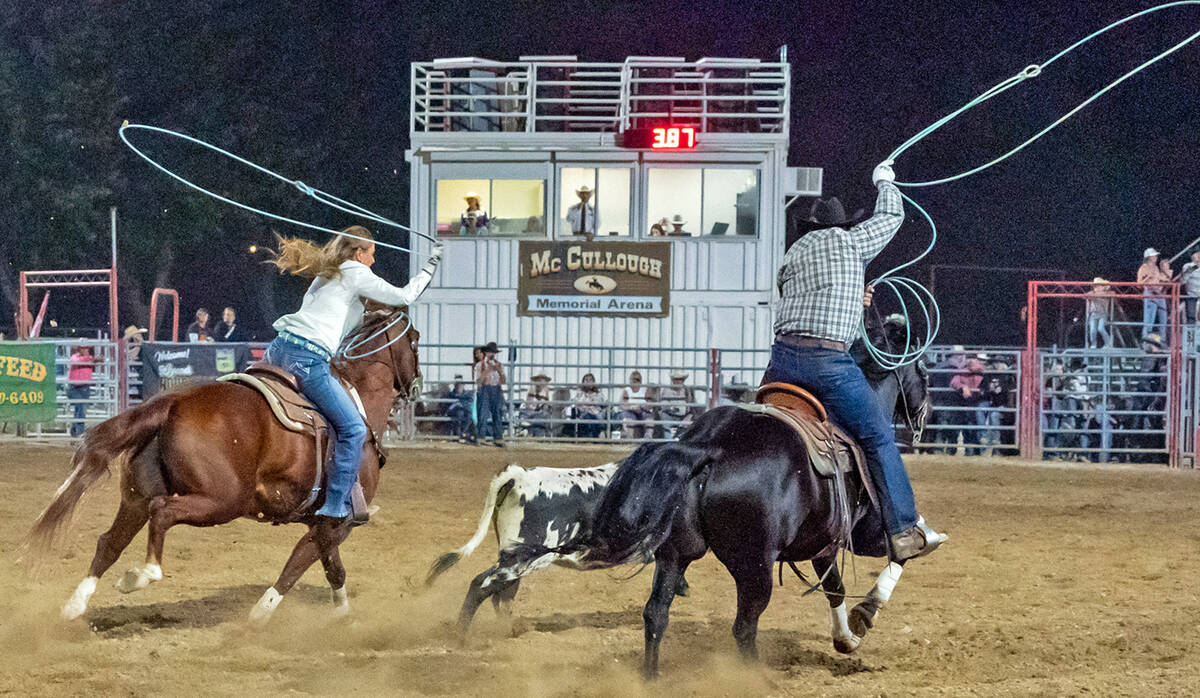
column 321, row 196
column 921, row 296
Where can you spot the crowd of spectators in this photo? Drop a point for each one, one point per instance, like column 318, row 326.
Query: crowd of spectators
column 227, row 330
column 478, row 411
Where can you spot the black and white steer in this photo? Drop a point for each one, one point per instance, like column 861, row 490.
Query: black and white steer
column 543, row 506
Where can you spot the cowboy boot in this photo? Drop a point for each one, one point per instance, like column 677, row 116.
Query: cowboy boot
column 916, row 541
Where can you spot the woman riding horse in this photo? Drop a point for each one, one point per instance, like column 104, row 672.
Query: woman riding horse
column 309, row 338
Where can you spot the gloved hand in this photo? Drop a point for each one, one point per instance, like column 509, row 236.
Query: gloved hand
column 883, row 173
column 434, row 260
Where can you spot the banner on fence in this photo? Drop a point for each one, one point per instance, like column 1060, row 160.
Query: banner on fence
column 603, row 279
column 27, row 382
column 165, row 366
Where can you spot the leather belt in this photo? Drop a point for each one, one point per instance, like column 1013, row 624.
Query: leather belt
column 797, row 340
column 305, row 343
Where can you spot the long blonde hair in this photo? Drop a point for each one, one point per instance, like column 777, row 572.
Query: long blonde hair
column 303, row 258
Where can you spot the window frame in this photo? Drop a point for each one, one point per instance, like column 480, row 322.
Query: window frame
column 757, row 167
column 634, row 190
column 490, row 171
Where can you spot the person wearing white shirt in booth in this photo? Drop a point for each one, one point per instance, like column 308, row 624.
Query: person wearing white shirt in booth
column 582, row 218
column 309, row 338
column 634, row 412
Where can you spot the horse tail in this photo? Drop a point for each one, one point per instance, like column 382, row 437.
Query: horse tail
column 112, row 442
column 503, row 480
column 635, row 516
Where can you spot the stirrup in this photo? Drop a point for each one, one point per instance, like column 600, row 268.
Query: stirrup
column 917, row 541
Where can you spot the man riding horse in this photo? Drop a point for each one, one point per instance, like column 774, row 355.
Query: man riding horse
column 819, row 312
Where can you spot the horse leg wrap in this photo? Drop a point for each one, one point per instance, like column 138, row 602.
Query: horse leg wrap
column 78, row 602
column 844, row 640
column 341, row 602
column 139, row 578
column 266, row 606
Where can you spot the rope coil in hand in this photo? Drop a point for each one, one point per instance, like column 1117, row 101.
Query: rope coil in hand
column 923, row 297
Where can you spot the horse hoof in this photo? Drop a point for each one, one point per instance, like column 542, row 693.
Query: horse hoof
column 78, row 603
column 266, row 605
column 846, row 645
column 139, row 578
column 860, row 622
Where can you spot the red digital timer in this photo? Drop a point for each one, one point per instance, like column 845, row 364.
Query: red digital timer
column 659, row 138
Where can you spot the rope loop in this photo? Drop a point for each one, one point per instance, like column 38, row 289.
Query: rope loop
column 1031, row 71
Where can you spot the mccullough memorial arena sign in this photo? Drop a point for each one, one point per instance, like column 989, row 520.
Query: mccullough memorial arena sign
column 612, row 279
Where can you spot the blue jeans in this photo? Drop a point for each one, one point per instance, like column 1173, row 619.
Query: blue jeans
column 318, row 384
column 1154, row 316
column 491, row 404
column 838, row 382
column 80, row 393
column 1097, row 329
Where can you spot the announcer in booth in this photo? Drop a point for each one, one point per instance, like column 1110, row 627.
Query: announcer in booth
column 582, row 217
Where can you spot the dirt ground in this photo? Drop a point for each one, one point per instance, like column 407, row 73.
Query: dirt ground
column 1056, row 581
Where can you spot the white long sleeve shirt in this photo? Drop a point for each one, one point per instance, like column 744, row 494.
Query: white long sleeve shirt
column 333, row 307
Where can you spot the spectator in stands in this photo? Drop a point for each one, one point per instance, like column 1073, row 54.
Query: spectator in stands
column 1154, row 306
column 228, row 329
column 950, row 420
column 587, row 404
column 675, row 404
column 460, row 410
column 634, row 413
column 1106, row 423
column 967, row 384
column 677, row 223
column 657, row 230
column 79, row 385
column 489, row 382
column 474, row 220
column 535, row 410
column 997, row 389
column 582, row 217
column 534, row 225
column 1053, row 404
column 1190, row 278
column 133, row 338
column 200, row 331
column 1099, row 314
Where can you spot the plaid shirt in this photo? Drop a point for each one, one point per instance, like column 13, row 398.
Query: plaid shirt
column 822, row 278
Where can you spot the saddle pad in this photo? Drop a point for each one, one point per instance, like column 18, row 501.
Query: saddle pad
column 289, row 406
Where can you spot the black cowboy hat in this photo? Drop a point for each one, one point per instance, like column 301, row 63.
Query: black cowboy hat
column 491, row 348
column 829, row 213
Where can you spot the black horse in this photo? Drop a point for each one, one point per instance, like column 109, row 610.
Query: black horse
column 738, row 483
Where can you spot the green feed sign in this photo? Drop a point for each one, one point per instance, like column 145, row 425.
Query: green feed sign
column 27, row 382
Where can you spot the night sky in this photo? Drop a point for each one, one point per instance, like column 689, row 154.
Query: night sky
column 1087, row 198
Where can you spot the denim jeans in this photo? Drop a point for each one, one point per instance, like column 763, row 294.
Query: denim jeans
column 989, row 437
column 1097, row 328
column 1154, row 316
column 318, row 384
column 81, row 393
column 491, row 405
column 841, row 386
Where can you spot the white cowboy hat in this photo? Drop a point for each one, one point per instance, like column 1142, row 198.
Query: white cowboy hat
column 584, row 189
column 678, row 220
column 134, row 330
column 1099, row 280
column 895, row 319
column 1150, row 252
column 470, row 195
column 679, row 373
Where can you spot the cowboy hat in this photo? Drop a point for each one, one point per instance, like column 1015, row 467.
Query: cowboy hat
column 828, row 213
column 541, row 377
column 1099, row 280
column 1154, row 339
column 1150, row 252
column 679, row 373
column 134, row 330
column 470, row 195
column 678, row 220
column 491, row 348
column 583, row 189
column 895, row 319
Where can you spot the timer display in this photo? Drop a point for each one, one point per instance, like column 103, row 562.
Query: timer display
column 659, row 138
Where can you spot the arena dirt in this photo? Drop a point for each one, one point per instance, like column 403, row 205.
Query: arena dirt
column 1056, row 581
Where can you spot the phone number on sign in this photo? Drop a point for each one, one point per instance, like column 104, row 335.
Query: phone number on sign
column 27, row 397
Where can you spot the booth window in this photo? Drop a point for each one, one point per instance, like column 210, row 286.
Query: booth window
column 501, row 207
column 607, row 197
column 710, row 201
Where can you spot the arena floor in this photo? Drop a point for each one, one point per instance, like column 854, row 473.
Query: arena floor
column 1056, row 581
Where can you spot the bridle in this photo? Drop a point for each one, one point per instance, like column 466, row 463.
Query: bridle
column 915, row 423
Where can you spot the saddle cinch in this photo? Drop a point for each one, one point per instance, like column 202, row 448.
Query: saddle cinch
column 296, row 413
column 830, row 449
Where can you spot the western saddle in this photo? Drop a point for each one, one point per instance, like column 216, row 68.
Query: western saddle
column 296, row 413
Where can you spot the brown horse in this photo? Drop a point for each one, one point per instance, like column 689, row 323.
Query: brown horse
column 208, row 454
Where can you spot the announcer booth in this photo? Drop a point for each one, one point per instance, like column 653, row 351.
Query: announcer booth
column 683, row 166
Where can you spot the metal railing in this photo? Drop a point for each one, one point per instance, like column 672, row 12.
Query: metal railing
column 81, row 404
column 566, row 95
